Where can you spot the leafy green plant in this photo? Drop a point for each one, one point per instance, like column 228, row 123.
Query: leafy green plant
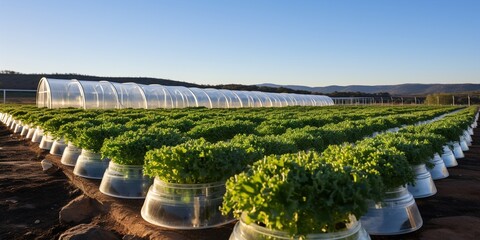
column 92, row 137
column 221, row 130
column 300, row 193
column 266, row 145
column 196, row 161
column 390, row 163
column 416, row 149
column 130, row 147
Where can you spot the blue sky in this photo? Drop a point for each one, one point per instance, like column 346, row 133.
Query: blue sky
column 313, row 43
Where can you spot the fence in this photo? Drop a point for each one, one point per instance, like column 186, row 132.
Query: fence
column 18, row 96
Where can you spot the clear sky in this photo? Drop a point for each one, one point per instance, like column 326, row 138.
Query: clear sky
column 313, row 43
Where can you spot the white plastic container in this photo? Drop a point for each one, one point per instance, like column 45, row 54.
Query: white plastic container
column 18, row 128
column 37, row 135
column 70, row 155
column 463, row 144
column 457, row 150
column 46, row 142
column 448, row 157
column 252, row 231
column 397, row 214
column 90, row 165
column 424, row 185
column 125, row 181
column 24, row 131
column 439, row 171
column 31, row 132
column 185, row 206
column 58, row 147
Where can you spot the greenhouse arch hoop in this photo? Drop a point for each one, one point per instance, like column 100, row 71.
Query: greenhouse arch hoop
column 62, row 93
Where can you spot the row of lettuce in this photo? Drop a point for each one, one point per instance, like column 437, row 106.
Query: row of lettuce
column 232, row 138
column 301, row 170
column 309, row 191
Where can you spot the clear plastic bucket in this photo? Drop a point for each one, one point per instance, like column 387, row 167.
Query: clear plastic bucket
column 185, row 206
column 448, row 157
column 70, row 155
column 12, row 125
column 9, row 121
column 397, row 214
column 457, row 151
column 58, row 147
column 468, row 138
column 252, row 231
column 439, row 171
column 463, row 144
column 46, row 142
column 24, row 131
column 30, row 133
column 125, row 181
column 424, row 186
column 37, row 135
column 18, row 128
column 90, row 165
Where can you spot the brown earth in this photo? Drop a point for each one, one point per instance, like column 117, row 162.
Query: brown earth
column 30, row 200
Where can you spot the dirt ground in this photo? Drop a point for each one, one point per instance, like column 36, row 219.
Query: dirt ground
column 30, row 200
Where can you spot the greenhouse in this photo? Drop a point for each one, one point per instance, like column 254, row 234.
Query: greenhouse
column 61, row 93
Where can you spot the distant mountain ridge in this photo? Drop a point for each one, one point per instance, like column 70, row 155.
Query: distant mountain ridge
column 30, row 81
column 400, row 89
column 14, row 80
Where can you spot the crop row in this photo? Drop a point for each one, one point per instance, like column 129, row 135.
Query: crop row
column 296, row 168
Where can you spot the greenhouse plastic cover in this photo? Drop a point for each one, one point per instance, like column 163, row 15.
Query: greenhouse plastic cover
column 60, row 93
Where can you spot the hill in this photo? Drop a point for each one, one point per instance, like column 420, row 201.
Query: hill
column 15, row 80
column 401, row 89
column 30, row 81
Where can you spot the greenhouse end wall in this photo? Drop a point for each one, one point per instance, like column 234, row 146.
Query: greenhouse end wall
column 61, row 93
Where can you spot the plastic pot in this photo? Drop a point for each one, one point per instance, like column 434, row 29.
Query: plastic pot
column 185, row 206
column 468, row 138
column 46, row 142
column 463, row 144
column 457, row 150
column 125, row 181
column 18, row 128
column 439, row 171
column 70, row 155
column 58, row 147
column 31, row 132
column 252, row 231
column 90, row 165
column 9, row 121
column 470, row 131
column 424, row 186
column 38, row 135
column 24, row 131
column 397, row 214
column 448, row 157
column 12, row 125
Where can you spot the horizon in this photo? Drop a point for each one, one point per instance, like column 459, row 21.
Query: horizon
column 260, row 84
column 312, row 43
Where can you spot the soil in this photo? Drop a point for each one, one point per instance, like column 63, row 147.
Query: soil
column 30, row 200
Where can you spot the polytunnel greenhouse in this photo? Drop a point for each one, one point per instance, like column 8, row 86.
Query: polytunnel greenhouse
column 60, row 93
